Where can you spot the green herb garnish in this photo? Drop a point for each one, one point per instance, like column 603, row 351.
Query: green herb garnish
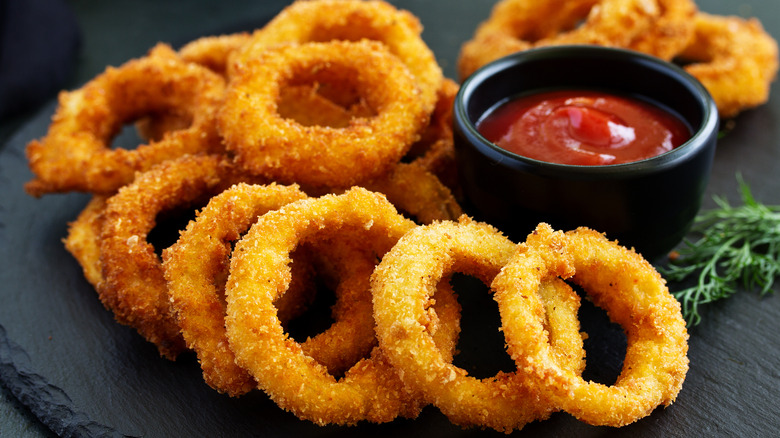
column 737, row 245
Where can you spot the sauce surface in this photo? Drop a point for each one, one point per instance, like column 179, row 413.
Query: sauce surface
column 583, row 127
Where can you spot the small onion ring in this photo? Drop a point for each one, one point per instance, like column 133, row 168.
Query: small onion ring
column 370, row 390
column 634, row 296
column 211, row 52
column 408, row 277
column 76, row 155
column 282, row 149
column 345, row 269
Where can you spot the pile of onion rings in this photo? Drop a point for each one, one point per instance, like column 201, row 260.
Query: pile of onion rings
column 733, row 57
column 316, row 154
column 542, row 337
column 360, row 105
column 328, row 95
column 230, row 278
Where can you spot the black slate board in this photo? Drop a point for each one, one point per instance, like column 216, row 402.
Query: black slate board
column 63, row 356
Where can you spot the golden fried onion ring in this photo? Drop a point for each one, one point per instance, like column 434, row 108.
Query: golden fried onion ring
column 734, row 58
column 658, row 27
column 76, row 153
column 351, row 20
column 193, row 266
column 407, row 278
column 268, row 144
column 133, row 285
column 370, row 390
column 634, row 296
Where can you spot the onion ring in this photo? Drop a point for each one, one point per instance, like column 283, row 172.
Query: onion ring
column 734, row 58
column 370, row 390
column 134, row 286
column 634, row 296
column 671, row 31
column 75, row 154
column 83, row 242
column 200, row 257
column 267, row 144
column 195, row 263
column 658, row 27
column 351, row 20
column 406, row 279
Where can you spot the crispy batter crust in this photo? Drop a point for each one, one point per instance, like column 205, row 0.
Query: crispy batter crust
column 407, row 278
column 634, row 295
column 76, row 153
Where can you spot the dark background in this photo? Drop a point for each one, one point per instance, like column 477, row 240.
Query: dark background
column 65, row 359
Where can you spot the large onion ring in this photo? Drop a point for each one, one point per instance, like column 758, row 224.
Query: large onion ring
column 351, row 20
column 284, row 150
column 195, row 263
column 370, row 390
column 76, row 153
column 634, row 296
column 133, row 285
column 734, row 58
column 408, row 277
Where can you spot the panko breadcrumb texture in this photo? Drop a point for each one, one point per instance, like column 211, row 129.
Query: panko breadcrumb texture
column 321, row 156
column 371, row 389
column 633, row 294
column 407, row 278
column 133, row 285
column 319, row 149
column 195, row 269
column 76, row 153
column 734, row 58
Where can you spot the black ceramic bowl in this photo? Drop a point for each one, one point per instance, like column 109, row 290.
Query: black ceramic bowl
column 649, row 204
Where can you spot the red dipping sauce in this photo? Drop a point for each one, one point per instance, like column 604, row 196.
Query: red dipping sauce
column 583, row 127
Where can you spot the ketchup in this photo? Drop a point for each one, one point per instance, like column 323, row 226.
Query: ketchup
column 583, row 127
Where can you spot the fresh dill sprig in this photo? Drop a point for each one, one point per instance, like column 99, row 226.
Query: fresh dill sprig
column 736, row 246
